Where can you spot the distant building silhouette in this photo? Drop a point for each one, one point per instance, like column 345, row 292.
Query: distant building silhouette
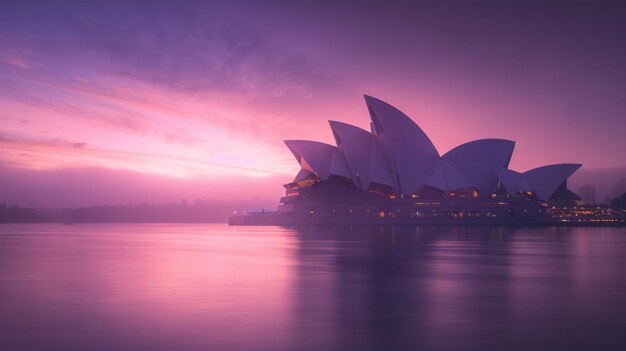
column 588, row 193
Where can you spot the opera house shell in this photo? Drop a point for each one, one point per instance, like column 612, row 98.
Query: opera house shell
column 394, row 174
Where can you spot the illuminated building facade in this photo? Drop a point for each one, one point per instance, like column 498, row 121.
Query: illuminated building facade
column 394, row 174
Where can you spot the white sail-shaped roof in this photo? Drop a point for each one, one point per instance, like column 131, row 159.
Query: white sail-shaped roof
column 447, row 177
column 510, row 179
column 543, row 181
column 339, row 166
column 363, row 153
column 318, row 158
column 397, row 153
column 478, row 160
column 411, row 154
column 380, row 172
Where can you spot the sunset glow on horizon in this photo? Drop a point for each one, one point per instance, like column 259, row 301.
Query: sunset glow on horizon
column 208, row 91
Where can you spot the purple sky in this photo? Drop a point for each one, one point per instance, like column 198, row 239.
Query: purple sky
column 187, row 99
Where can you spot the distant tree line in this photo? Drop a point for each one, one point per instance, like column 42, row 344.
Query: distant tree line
column 198, row 211
column 16, row 214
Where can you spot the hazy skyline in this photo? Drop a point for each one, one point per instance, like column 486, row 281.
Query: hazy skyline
column 170, row 100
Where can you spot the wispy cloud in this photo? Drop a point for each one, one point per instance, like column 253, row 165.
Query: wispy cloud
column 56, row 153
column 188, row 47
column 176, row 81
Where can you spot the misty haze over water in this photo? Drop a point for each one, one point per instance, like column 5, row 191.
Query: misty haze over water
column 210, row 286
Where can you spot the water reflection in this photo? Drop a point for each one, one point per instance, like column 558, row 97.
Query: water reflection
column 198, row 287
column 466, row 288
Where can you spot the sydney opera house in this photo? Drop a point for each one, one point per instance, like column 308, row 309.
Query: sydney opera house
column 394, row 174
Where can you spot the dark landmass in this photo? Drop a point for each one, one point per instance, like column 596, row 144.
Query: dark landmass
column 198, row 211
column 16, row 214
column 159, row 213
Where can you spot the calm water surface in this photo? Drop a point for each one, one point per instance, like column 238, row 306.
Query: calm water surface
column 214, row 287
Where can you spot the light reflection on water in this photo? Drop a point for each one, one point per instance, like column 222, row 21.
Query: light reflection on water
column 214, row 287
